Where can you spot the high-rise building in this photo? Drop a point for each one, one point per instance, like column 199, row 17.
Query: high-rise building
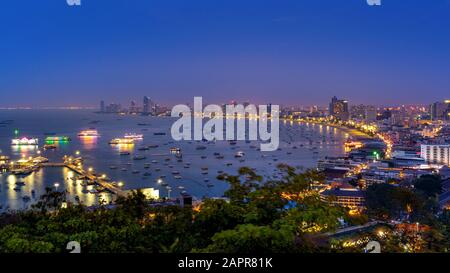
column 102, row 106
column 339, row 109
column 397, row 118
column 146, row 106
column 133, row 108
column 435, row 154
column 113, row 108
column 371, row 114
column 358, row 111
column 440, row 110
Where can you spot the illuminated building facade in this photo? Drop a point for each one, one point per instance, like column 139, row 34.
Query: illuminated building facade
column 435, row 154
column 440, row 110
column 350, row 198
column 339, row 109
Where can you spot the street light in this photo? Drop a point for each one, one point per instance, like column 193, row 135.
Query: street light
column 56, row 186
column 77, row 152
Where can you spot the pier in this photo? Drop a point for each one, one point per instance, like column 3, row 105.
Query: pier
column 71, row 164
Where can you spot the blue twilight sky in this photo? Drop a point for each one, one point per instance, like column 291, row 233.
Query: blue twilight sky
column 280, row 51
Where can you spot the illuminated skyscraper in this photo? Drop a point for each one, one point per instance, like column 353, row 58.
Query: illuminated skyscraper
column 339, row 109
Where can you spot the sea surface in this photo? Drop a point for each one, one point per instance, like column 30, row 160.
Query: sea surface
column 301, row 145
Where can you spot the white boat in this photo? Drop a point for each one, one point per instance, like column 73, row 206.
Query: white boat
column 24, row 141
column 134, row 136
column 122, row 141
column 88, row 133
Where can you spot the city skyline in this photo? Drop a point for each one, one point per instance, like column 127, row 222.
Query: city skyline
column 299, row 51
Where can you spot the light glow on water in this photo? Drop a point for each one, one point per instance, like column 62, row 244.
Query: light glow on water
column 100, row 157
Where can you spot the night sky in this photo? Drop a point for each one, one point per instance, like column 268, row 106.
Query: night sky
column 280, row 51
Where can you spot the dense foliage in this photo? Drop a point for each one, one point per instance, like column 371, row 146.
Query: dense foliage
column 257, row 217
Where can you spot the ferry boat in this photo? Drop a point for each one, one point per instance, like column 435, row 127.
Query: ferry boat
column 122, row 141
column 88, row 133
column 53, row 139
column 175, row 150
column 24, row 141
column 239, row 154
column 134, row 136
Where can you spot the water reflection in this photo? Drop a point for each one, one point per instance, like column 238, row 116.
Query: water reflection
column 124, row 147
column 23, row 149
column 89, row 142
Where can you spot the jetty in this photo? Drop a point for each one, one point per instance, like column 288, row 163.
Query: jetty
column 74, row 164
